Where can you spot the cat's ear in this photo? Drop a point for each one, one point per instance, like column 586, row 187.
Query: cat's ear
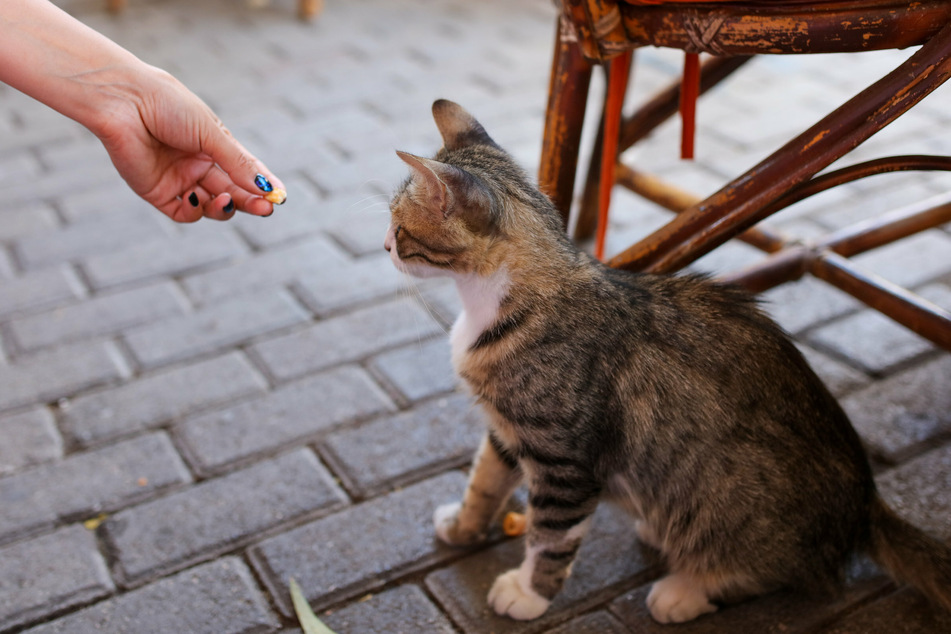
column 449, row 189
column 457, row 127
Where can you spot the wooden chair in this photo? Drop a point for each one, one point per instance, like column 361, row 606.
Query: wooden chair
column 306, row 9
column 608, row 31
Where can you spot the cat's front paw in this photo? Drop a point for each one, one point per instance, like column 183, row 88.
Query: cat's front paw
column 675, row 599
column 508, row 598
column 449, row 529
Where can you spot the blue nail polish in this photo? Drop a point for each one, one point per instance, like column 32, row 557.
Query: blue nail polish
column 193, row 199
column 229, row 208
column 263, row 183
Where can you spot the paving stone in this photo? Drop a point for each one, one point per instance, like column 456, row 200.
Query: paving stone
column 360, row 281
column 87, row 238
column 420, row 370
column 609, row 561
column 59, row 372
column 357, row 550
column 49, row 574
column 391, row 451
column 268, row 269
column 838, row 377
column 38, row 290
column 218, row 515
column 403, row 610
column 214, row 327
column 920, row 491
column 160, row 397
column 291, row 413
column 900, row 414
column 86, row 483
column 217, row 598
column 363, row 232
column 28, row 438
column 904, row 612
column 593, row 623
column 345, row 338
column 875, row 341
column 196, row 249
column 25, row 220
column 775, row 613
column 99, row 315
column 441, row 299
column 800, row 305
column 912, row 261
column 303, row 214
column 84, row 204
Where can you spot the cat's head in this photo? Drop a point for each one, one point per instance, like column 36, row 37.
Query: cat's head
column 462, row 211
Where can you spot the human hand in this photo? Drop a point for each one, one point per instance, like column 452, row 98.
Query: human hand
column 175, row 153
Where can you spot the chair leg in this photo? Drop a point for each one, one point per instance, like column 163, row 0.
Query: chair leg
column 115, row 6
column 567, row 99
column 747, row 200
column 619, row 71
column 307, row 9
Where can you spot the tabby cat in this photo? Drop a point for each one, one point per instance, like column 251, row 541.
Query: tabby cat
column 674, row 395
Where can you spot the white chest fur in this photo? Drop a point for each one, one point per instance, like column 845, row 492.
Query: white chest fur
column 481, row 298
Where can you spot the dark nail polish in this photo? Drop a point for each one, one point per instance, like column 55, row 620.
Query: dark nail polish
column 263, row 183
column 193, row 199
column 229, row 208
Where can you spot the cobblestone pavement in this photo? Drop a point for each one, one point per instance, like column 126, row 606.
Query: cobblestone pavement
column 191, row 415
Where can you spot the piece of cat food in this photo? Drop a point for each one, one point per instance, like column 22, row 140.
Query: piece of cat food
column 513, row 524
column 277, row 196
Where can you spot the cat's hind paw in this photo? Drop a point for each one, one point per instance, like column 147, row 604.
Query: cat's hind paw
column 508, row 598
column 449, row 529
column 676, row 599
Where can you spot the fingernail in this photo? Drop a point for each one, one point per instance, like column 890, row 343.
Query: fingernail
column 229, row 208
column 263, row 183
column 193, row 199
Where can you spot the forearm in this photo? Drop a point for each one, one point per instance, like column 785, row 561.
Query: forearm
column 52, row 57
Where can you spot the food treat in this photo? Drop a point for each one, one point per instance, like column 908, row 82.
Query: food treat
column 513, row 524
column 276, row 196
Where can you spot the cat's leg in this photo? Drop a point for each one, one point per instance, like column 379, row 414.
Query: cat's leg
column 558, row 518
column 679, row 597
column 495, row 474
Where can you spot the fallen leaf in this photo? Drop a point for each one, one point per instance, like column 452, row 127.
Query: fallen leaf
column 305, row 615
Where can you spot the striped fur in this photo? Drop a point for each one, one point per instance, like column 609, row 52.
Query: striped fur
column 672, row 394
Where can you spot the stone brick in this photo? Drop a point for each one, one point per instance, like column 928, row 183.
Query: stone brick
column 49, row 574
column 609, row 561
column 773, row 613
column 62, row 371
column 345, row 338
column 81, row 205
column 217, row 598
column 920, row 491
column 838, row 377
column 197, row 248
column 803, row 304
column 877, row 342
column 214, row 327
column 350, row 284
column 593, row 623
column 160, row 397
column 419, row 371
column 906, row 611
column 28, row 219
column 38, row 290
column 291, row 413
column 86, row 483
column 100, row 315
column 388, row 452
column 87, row 238
column 28, row 438
column 359, row 549
column 217, row 515
column 362, row 232
column 442, row 299
column 403, row 610
column 900, row 414
column 912, row 261
column 289, row 222
column 271, row 268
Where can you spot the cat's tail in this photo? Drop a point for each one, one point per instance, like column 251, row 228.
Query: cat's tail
column 910, row 555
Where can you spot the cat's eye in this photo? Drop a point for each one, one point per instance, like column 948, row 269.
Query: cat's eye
column 396, row 232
